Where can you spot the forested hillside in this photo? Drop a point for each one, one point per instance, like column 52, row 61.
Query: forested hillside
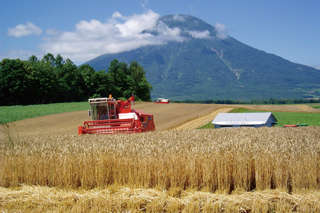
column 53, row 79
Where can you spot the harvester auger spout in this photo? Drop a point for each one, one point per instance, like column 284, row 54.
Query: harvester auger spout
column 111, row 116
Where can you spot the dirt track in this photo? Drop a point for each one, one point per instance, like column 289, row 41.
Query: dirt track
column 166, row 117
column 198, row 122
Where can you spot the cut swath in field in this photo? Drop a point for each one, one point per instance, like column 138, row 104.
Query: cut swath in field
column 200, row 121
column 124, row 199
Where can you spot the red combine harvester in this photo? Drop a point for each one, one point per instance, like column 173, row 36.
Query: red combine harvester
column 162, row 101
column 111, row 116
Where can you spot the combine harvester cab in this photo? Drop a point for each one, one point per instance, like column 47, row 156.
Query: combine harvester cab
column 162, row 101
column 110, row 116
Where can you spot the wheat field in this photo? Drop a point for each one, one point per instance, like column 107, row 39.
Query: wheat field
column 226, row 170
column 46, row 167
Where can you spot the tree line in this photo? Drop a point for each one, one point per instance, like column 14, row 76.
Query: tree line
column 53, row 79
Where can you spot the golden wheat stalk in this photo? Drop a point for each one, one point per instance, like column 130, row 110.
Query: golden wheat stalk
column 211, row 160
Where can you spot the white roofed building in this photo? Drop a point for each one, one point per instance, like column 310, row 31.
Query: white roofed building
column 254, row 119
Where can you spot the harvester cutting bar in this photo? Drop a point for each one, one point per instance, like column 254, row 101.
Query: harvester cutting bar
column 110, row 126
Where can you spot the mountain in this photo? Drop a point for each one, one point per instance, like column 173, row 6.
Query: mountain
column 209, row 65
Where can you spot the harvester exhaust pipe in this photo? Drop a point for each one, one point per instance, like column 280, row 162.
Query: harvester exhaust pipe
column 132, row 99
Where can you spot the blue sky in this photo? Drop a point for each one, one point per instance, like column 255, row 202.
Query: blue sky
column 82, row 30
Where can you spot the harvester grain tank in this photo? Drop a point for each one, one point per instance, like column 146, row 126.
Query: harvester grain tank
column 111, row 116
column 162, row 101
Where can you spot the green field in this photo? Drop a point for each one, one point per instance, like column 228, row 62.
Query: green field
column 289, row 118
column 15, row 113
column 283, row 118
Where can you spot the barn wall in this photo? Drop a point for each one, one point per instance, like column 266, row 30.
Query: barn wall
column 269, row 123
column 271, row 120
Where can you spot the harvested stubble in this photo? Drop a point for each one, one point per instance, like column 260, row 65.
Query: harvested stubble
column 209, row 160
column 118, row 199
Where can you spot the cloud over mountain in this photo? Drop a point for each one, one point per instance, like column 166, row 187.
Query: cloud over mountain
column 220, row 30
column 197, row 34
column 91, row 38
column 120, row 33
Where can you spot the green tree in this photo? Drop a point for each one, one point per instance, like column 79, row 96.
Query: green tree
column 86, row 83
column 101, row 84
column 33, row 58
column 118, row 78
column 141, row 87
column 44, row 84
column 49, row 58
column 59, row 62
column 53, row 79
column 14, row 82
column 68, row 80
column 127, row 80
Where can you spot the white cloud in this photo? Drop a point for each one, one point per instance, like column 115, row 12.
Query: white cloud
column 116, row 15
column 144, row 3
column 317, row 66
column 137, row 23
column 192, row 8
column 52, row 32
column 24, row 30
column 199, row 35
column 120, row 33
column 177, row 17
column 170, row 33
column 220, row 31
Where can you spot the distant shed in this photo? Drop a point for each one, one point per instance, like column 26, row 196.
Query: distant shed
column 254, row 119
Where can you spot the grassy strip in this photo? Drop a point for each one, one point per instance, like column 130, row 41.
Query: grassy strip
column 284, row 118
column 207, row 126
column 18, row 112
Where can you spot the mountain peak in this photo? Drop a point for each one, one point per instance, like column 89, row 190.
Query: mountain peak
column 187, row 23
column 201, row 62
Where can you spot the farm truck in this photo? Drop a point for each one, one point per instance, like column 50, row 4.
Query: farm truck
column 111, row 116
column 162, row 101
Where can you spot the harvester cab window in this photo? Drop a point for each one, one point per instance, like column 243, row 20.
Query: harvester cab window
column 104, row 115
column 112, row 110
column 99, row 112
column 104, row 111
column 94, row 112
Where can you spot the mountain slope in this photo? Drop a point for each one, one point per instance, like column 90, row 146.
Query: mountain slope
column 210, row 65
